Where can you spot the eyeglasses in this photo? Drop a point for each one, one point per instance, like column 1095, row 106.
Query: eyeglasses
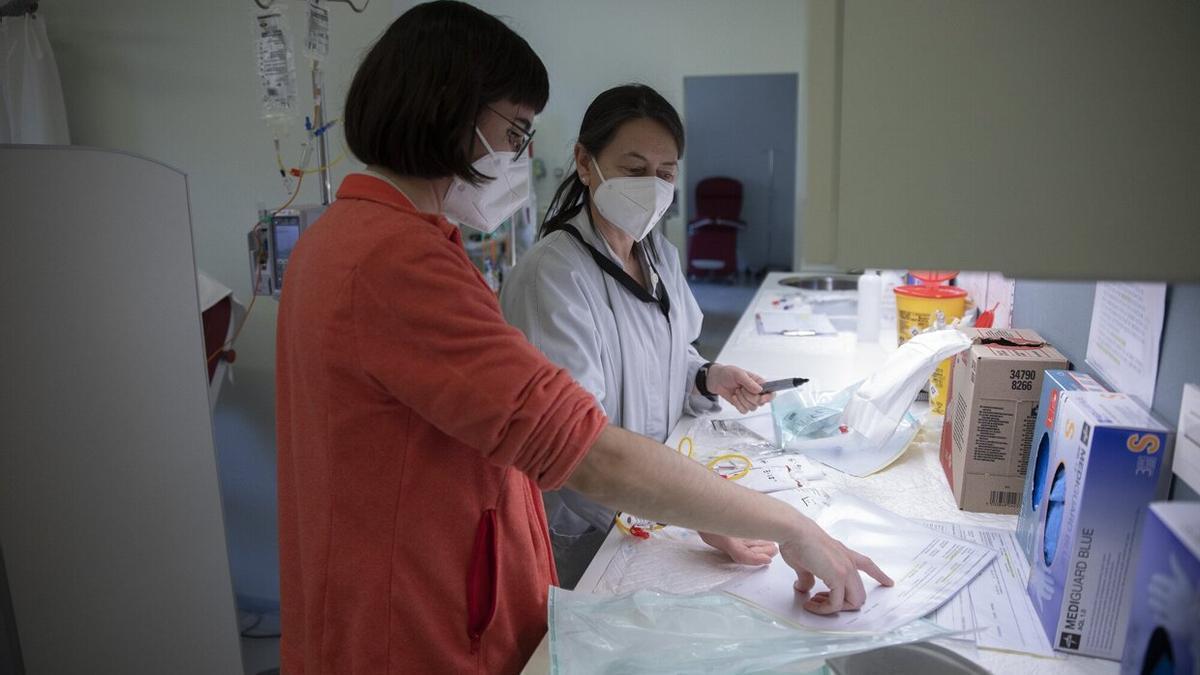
column 518, row 137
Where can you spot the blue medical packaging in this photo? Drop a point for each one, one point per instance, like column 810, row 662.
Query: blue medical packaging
column 1109, row 458
column 1164, row 626
column 1054, row 383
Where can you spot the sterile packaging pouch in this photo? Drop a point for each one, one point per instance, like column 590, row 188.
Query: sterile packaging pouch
column 1164, row 626
column 1109, row 458
column 1054, row 383
column 865, row 427
column 783, row 472
column 650, row 632
column 712, row 437
column 726, row 446
column 989, row 423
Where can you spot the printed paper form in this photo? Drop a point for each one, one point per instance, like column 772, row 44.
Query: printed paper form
column 782, row 323
column 928, row 567
column 996, row 601
column 1187, row 441
column 1126, row 332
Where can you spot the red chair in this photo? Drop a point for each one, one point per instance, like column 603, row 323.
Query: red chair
column 712, row 234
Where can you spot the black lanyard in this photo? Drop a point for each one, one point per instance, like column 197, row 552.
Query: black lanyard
column 622, row 277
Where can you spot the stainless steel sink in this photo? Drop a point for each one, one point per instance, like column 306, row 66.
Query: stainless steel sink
column 822, row 282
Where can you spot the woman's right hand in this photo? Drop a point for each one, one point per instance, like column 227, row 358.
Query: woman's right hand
column 816, row 555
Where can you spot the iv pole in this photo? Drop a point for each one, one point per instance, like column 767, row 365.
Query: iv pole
column 318, row 91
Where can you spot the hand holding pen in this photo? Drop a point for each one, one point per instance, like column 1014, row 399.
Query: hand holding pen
column 745, row 390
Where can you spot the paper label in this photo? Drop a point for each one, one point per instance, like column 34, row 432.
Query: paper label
column 276, row 70
column 317, row 44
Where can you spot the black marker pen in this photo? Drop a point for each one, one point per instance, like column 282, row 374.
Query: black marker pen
column 780, row 385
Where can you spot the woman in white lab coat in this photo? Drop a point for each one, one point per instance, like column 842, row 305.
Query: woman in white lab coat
column 603, row 295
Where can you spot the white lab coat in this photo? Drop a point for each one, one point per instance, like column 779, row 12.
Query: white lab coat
column 640, row 368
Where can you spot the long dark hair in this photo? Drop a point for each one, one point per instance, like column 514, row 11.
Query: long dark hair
column 600, row 123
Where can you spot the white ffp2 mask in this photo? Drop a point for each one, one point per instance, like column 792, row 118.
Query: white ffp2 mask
column 633, row 203
column 483, row 207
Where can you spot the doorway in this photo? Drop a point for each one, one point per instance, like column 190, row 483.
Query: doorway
column 744, row 127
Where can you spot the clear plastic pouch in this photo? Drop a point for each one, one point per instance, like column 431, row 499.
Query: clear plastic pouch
column 866, row 426
column 713, row 437
column 811, row 423
column 649, row 632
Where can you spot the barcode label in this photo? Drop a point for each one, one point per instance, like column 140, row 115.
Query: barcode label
column 1001, row 498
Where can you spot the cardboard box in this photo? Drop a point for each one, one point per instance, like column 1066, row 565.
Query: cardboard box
column 1109, row 458
column 1054, row 383
column 1164, row 626
column 994, row 389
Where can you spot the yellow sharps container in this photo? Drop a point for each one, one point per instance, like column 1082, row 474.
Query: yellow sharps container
column 918, row 308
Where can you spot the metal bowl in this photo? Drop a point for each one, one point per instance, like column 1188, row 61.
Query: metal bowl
column 822, row 282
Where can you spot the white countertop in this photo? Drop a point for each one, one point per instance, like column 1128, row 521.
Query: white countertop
column 914, row 486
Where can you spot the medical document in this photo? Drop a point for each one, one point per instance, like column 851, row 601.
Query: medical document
column 1125, row 336
column 995, row 605
column 928, row 567
column 790, row 323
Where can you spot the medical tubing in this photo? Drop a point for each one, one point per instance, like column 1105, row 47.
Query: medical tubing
column 226, row 346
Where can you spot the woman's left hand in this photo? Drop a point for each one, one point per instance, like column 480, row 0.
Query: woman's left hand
column 739, row 387
column 743, row 551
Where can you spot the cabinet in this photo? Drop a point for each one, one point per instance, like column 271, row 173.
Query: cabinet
column 1041, row 139
column 110, row 506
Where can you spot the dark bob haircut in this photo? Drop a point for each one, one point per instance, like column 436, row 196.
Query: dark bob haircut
column 413, row 103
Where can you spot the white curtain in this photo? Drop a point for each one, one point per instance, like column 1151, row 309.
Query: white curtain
column 31, row 96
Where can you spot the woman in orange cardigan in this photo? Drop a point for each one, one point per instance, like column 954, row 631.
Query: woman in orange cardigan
column 415, row 427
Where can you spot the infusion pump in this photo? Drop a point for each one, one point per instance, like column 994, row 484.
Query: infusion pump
column 271, row 243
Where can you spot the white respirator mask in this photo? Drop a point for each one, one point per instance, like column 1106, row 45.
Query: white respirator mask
column 633, row 203
column 484, row 207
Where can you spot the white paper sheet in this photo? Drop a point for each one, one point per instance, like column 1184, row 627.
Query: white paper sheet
column 995, row 603
column 929, row 568
column 1187, row 441
column 783, row 323
column 1126, row 332
column 783, row 472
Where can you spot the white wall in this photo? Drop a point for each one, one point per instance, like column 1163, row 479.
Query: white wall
column 175, row 80
column 589, row 46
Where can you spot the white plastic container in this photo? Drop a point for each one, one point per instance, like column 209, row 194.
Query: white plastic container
column 891, row 279
column 869, row 298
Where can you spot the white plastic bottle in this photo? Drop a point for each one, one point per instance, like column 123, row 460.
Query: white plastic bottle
column 891, row 279
column 869, row 296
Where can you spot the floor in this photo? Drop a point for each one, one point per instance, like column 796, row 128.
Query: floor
column 260, row 644
column 722, row 304
column 260, row 657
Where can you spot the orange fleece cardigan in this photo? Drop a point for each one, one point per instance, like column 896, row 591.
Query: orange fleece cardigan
column 415, row 428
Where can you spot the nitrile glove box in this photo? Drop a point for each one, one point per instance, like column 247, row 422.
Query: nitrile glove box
column 1054, row 383
column 1164, row 627
column 1109, row 458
